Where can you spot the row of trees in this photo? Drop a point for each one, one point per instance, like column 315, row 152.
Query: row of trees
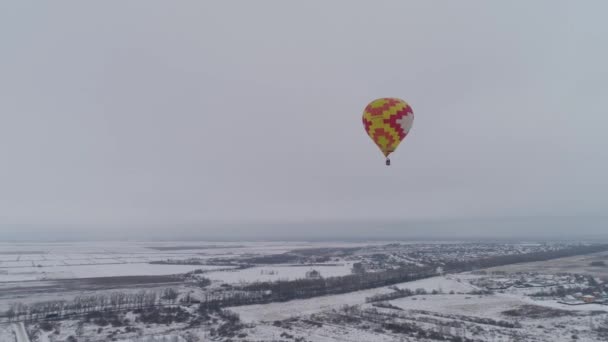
column 266, row 292
column 306, row 288
column 85, row 304
column 397, row 293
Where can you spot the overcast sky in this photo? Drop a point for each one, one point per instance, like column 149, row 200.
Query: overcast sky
column 188, row 112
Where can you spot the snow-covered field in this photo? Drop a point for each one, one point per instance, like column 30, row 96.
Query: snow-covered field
column 163, row 338
column 457, row 303
column 479, row 306
column 443, row 284
column 281, row 272
column 327, row 333
column 426, row 311
column 39, row 261
column 450, row 304
column 97, row 270
column 285, row 310
column 29, row 270
column 7, row 333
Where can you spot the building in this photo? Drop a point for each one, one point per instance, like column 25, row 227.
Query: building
column 588, row 299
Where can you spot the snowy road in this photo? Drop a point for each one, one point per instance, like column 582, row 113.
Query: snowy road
column 20, row 332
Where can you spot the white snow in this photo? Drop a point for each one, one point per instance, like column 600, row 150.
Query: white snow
column 442, row 284
column 44, row 337
column 97, row 270
column 273, row 273
column 327, row 333
column 163, row 338
column 7, row 333
column 279, row 311
column 20, row 332
column 464, row 304
column 469, row 305
column 36, row 261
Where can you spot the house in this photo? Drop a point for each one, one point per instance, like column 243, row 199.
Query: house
column 588, row 299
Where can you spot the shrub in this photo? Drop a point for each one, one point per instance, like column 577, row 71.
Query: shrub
column 167, row 316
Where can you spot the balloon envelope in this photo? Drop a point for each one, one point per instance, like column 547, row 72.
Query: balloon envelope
column 387, row 121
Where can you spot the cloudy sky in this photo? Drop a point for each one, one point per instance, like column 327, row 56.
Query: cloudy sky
column 157, row 112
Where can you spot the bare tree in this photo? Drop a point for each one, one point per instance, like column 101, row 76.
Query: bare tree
column 10, row 313
column 170, row 295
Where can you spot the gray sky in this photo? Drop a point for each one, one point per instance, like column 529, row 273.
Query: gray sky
column 188, row 112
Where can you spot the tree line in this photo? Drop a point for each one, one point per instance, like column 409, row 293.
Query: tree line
column 85, row 304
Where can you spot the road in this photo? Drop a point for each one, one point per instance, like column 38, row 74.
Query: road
column 20, row 332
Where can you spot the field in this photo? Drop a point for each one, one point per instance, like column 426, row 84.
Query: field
column 274, row 273
column 281, row 311
column 482, row 317
column 23, row 262
column 300, row 291
column 61, row 271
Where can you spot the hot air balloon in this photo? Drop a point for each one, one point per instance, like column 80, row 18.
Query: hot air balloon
column 387, row 121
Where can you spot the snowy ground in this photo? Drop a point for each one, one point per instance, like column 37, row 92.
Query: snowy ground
column 43, row 268
column 29, row 271
column 279, row 311
column 163, row 338
column 7, row 333
column 326, row 333
column 458, row 303
column 20, row 332
column 422, row 309
column 480, row 306
column 281, row 272
column 97, row 270
column 38, row 261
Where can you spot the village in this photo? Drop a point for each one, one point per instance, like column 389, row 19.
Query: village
column 566, row 288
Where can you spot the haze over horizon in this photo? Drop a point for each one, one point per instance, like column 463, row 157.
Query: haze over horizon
column 151, row 119
column 480, row 229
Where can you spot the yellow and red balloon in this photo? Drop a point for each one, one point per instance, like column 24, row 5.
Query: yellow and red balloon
column 388, row 121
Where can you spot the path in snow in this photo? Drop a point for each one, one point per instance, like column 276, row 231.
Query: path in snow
column 20, row 332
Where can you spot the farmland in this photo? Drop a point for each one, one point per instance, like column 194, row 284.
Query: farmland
column 301, row 291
